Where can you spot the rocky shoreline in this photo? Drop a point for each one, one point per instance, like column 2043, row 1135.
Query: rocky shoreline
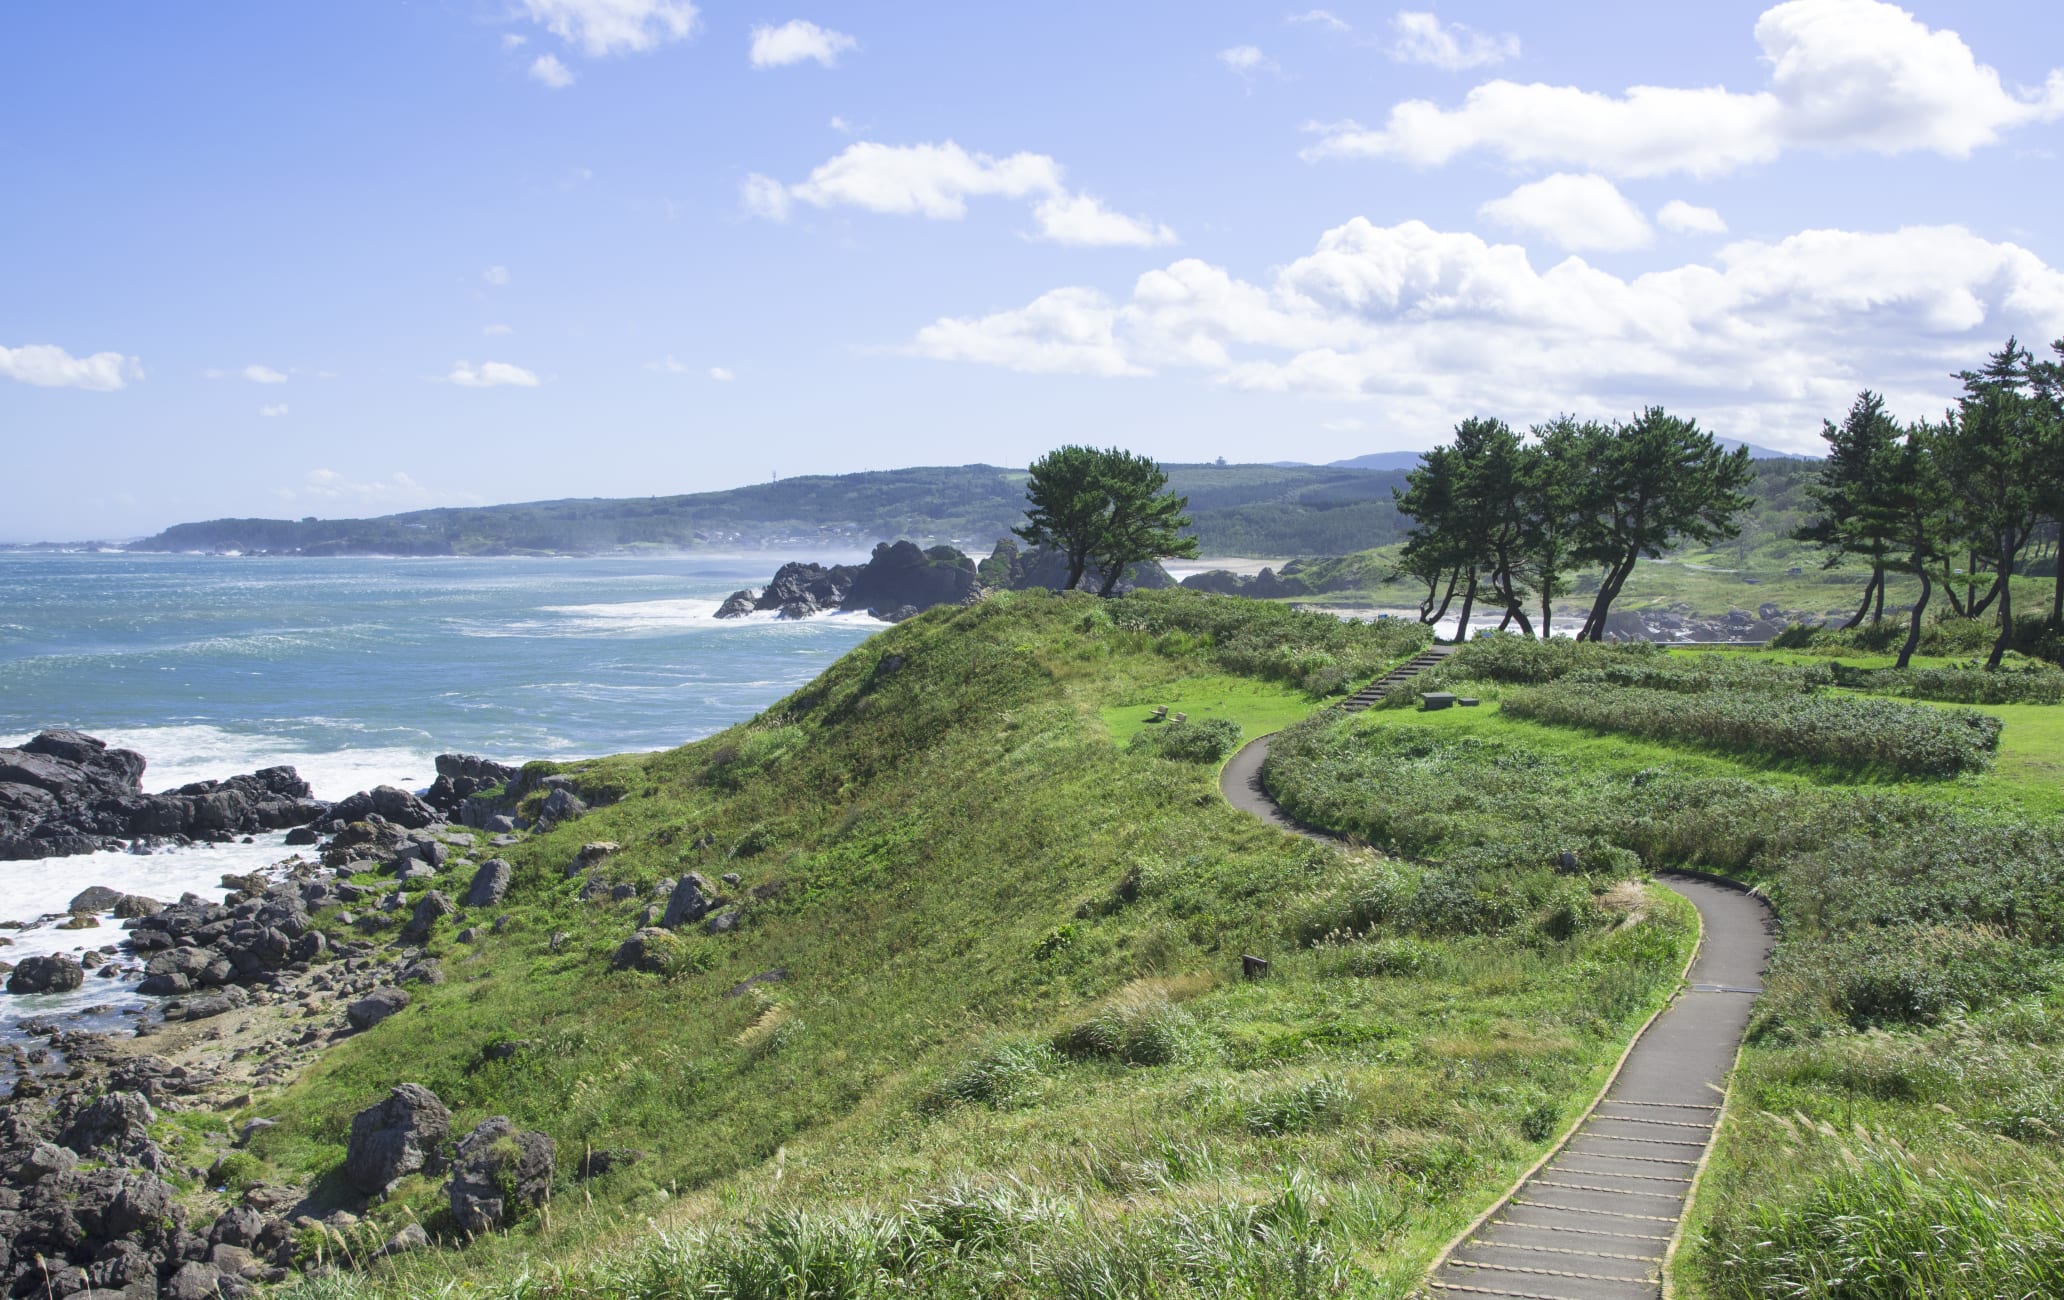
column 295, row 959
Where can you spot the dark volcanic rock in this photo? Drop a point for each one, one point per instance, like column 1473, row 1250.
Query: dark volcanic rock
column 490, row 883
column 64, row 792
column 59, row 974
column 647, row 950
column 391, row 803
column 499, row 1172
column 395, row 1138
column 691, row 901
column 900, row 574
column 738, row 604
column 375, row 1006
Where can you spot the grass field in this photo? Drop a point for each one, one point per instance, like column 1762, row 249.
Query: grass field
column 982, row 1029
column 1897, row 1125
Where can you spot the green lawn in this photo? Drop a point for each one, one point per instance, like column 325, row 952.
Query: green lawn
column 1259, row 707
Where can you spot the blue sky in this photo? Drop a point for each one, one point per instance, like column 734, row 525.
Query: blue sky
column 263, row 259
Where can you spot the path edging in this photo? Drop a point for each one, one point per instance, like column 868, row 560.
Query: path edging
column 1597, row 1100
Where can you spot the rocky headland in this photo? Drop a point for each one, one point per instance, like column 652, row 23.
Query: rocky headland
column 901, row 580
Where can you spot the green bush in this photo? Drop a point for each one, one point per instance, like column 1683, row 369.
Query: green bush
column 1009, row 1074
column 1958, row 684
column 1205, row 741
column 1140, row 1029
column 1842, row 731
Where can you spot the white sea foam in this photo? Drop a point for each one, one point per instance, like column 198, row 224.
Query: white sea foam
column 177, row 755
column 655, row 618
column 33, row 891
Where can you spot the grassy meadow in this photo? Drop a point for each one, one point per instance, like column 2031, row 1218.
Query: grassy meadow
column 1898, row 1122
column 982, row 1027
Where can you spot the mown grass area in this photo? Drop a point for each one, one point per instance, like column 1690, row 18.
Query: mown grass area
column 1256, row 707
column 1897, row 1127
column 982, row 1029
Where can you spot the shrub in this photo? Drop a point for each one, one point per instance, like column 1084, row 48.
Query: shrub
column 1138, row 1027
column 1009, row 1074
column 1300, row 1108
column 1960, row 684
column 1205, row 741
column 1842, row 731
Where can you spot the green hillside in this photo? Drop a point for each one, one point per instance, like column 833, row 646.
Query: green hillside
column 983, row 1027
column 1238, row 509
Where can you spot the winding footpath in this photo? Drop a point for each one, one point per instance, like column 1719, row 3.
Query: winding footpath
column 1598, row 1218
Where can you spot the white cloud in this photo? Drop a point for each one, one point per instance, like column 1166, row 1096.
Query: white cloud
column 1423, row 38
column 496, row 275
column 328, row 487
column 1429, row 326
column 1346, row 424
column 796, row 41
column 1248, row 60
column 494, row 330
column 603, row 27
column 841, row 125
column 548, row 71
column 1323, row 18
column 1689, row 219
column 669, row 366
column 1083, row 220
column 273, row 411
column 263, row 375
column 1573, row 212
column 763, row 196
column 490, row 374
column 514, row 40
column 1068, row 331
column 721, row 374
column 937, row 180
column 47, row 366
column 1845, row 75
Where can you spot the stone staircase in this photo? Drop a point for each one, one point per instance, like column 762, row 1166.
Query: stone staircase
column 1368, row 696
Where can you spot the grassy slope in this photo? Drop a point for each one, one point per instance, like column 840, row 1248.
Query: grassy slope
column 1904, row 1148
column 964, row 873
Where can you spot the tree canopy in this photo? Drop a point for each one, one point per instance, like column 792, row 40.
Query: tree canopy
column 1103, row 506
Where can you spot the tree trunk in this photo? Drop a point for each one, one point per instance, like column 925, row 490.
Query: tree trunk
column 1949, row 589
column 1877, row 578
column 1999, row 584
column 1075, row 566
column 1608, row 591
column 1878, row 614
column 1111, row 577
column 1548, row 611
column 1468, row 599
column 2006, row 602
column 2057, row 594
column 1513, row 611
column 1913, row 626
column 1454, row 576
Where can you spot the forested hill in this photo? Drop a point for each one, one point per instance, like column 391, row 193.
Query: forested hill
column 1238, row 509
column 1260, row 510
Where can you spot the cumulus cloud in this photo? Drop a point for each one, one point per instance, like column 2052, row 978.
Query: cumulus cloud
column 1083, row 220
column 496, row 275
column 797, row 41
column 1573, row 212
column 263, row 375
column 937, row 180
column 1844, row 75
column 47, row 366
column 1429, row 326
column 490, row 374
column 1689, row 219
column 493, row 330
column 547, row 70
column 273, row 411
column 1424, row 38
column 721, row 374
column 603, row 27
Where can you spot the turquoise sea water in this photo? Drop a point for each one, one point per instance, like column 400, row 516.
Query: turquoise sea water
column 359, row 672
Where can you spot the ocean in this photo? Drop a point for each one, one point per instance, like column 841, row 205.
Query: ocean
column 358, row 672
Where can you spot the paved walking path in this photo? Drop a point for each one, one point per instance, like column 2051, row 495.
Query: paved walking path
column 1596, row 1220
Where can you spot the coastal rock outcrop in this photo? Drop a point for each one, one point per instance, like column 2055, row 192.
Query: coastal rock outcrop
column 498, row 1173
column 65, row 792
column 898, row 580
column 395, row 1137
column 59, row 974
